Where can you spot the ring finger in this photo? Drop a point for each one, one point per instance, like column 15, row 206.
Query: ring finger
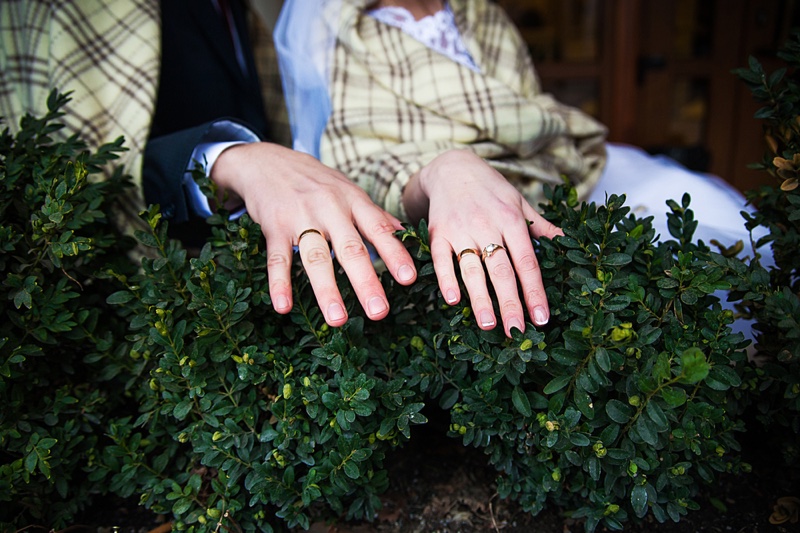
column 318, row 263
column 469, row 262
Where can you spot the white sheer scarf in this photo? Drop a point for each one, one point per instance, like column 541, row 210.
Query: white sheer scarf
column 305, row 37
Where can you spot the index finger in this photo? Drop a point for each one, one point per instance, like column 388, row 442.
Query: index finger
column 540, row 226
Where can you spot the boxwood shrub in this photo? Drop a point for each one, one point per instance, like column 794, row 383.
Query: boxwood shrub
column 169, row 379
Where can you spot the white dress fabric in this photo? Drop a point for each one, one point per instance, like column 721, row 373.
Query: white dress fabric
column 649, row 181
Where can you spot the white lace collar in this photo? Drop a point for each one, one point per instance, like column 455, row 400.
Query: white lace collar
column 438, row 31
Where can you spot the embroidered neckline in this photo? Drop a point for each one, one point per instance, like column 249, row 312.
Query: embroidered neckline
column 437, row 31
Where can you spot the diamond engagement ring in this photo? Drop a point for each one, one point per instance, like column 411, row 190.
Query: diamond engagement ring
column 490, row 250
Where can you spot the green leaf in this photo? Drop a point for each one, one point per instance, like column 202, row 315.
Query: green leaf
column 556, row 384
column 639, row 500
column 448, row 398
column 351, row 469
column 46, row 443
column 603, row 361
column 657, row 415
column 30, row 461
column 521, row 402
column 694, row 367
column 675, row 397
column 618, row 411
column 579, row 439
column 119, row 298
column 182, row 409
column 647, row 430
column 616, row 259
column 181, row 506
column 23, row 297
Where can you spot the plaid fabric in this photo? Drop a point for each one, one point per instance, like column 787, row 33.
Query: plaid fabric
column 107, row 53
column 397, row 105
column 104, row 51
column 269, row 76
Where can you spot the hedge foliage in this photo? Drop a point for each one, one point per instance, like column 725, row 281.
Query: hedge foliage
column 171, row 380
column 60, row 357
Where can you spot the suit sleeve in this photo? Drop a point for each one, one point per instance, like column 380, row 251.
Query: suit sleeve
column 168, row 158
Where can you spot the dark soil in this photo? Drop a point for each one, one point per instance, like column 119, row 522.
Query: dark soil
column 439, row 486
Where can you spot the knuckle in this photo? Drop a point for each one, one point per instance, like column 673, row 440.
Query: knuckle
column 353, row 249
column 327, row 194
column 510, row 305
column 527, row 263
column 471, row 269
column 382, row 227
column 502, row 271
column 277, row 260
column 508, row 212
column 316, row 256
column 448, row 281
column 533, row 297
column 279, row 286
column 481, row 303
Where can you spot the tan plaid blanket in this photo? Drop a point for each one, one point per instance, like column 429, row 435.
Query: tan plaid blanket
column 397, row 105
column 107, row 52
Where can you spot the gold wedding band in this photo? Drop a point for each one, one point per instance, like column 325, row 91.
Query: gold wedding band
column 466, row 251
column 490, row 250
column 308, row 231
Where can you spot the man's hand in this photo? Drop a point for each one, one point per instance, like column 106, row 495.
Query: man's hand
column 287, row 193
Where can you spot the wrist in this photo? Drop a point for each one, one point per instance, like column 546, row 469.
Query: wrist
column 446, row 169
column 225, row 174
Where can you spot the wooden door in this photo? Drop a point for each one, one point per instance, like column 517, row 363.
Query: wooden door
column 688, row 103
column 658, row 72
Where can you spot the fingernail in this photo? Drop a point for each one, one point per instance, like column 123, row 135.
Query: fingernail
column 336, row 312
column 376, row 305
column 514, row 323
column 281, row 303
column 451, row 296
column 540, row 316
column 487, row 319
column 405, row 273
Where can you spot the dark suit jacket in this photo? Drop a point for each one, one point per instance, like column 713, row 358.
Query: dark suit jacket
column 200, row 82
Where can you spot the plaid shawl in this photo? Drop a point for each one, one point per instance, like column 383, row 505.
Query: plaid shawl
column 397, row 105
column 107, row 52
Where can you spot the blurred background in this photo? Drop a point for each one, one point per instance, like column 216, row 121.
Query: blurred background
column 658, row 72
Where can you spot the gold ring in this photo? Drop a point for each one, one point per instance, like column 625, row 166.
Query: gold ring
column 490, row 250
column 466, row 251
column 308, row 231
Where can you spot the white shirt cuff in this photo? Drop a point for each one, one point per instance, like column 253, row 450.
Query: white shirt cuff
column 221, row 135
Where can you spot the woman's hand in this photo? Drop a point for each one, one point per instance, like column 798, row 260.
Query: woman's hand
column 288, row 193
column 471, row 209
